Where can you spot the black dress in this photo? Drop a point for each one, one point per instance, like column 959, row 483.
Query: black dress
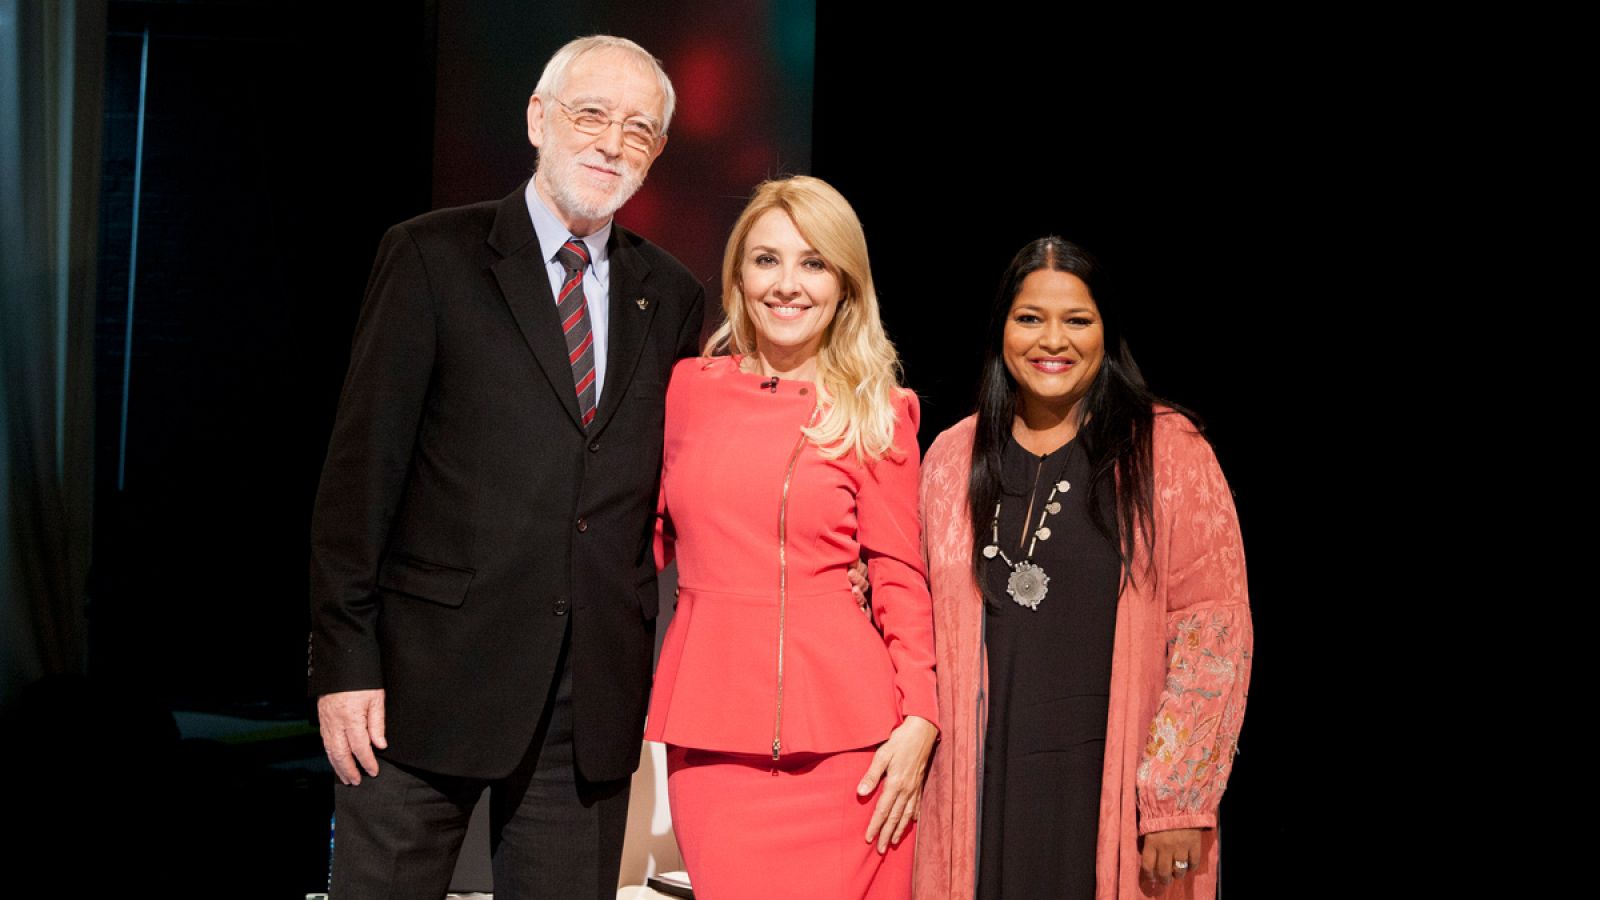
column 1049, row 685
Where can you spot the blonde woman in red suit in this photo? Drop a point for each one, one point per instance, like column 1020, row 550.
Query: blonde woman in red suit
column 798, row 728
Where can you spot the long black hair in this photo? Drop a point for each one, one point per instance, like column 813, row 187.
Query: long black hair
column 1116, row 417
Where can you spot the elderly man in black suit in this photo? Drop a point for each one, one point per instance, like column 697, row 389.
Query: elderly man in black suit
column 483, row 594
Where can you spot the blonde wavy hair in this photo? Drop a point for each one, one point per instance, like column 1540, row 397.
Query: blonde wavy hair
column 858, row 370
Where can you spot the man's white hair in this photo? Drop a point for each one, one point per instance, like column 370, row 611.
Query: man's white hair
column 555, row 71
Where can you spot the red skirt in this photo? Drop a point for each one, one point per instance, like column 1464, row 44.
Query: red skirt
column 752, row 828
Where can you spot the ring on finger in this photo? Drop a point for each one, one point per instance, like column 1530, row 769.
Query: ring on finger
column 1180, row 867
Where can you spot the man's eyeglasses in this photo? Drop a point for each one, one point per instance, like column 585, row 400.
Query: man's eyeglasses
column 638, row 133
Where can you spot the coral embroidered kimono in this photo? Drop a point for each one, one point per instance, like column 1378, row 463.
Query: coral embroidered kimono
column 1180, row 668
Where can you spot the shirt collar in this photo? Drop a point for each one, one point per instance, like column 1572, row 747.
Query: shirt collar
column 552, row 234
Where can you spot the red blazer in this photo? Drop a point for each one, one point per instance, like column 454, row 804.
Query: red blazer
column 768, row 651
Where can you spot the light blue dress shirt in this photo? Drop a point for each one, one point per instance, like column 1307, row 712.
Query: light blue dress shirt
column 596, row 278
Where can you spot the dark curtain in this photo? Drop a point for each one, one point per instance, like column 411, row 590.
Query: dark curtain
column 51, row 58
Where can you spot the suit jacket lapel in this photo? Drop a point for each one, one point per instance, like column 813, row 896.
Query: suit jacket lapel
column 526, row 287
column 632, row 310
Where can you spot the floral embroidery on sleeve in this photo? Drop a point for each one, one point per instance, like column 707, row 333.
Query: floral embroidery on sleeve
column 1195, row 730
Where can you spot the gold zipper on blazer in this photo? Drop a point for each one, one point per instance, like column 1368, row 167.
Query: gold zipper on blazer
column 783, row 584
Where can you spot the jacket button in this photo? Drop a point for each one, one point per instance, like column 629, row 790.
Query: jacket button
column 594, row 447
column 561, row 607
column 583, row 524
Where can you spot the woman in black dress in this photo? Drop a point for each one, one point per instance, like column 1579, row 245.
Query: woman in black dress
column 1051, row 579
column 1092, row 618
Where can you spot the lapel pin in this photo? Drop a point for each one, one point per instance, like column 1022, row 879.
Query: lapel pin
column 643, row 303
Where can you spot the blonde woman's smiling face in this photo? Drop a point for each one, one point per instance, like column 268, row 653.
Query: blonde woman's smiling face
column 790, row 291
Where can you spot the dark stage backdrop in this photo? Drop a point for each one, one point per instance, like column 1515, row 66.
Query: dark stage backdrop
column 268, row 144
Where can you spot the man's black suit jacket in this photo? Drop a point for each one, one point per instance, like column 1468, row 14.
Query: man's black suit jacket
column 465, row 517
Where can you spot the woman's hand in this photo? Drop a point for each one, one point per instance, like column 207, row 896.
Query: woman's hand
column 901, row 762
column 1164, row 850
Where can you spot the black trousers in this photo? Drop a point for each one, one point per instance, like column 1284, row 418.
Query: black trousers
column 552, row 834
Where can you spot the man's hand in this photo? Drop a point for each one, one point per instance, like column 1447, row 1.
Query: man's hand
column 352, row 724
column 860, row 586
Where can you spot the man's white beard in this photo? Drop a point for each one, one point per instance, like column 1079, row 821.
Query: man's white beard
column 561, row 177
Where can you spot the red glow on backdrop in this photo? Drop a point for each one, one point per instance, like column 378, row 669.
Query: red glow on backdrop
column 757, row 160
column 644, row 212
column 741, row 69
column 704, row 76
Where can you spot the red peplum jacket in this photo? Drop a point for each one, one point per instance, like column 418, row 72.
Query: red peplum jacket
column 768, row 652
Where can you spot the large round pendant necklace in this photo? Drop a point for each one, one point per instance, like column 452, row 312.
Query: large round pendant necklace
column 1028, row 582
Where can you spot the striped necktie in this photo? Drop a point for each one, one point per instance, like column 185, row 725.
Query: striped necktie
column 574, row 312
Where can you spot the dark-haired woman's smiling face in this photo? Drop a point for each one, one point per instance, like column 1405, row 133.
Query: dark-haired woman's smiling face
column 1054, row 342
